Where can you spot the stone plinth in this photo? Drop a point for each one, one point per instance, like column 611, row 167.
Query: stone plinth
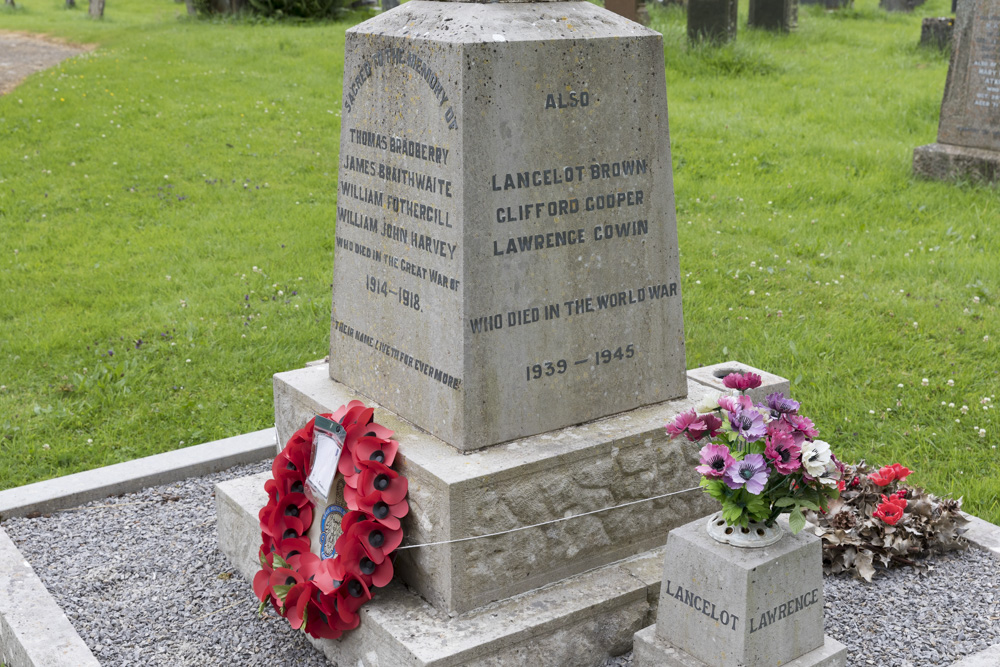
column 572, row 470
column 780, row 15
column 506, row 248
column 937, row 31
column 968, row 144
column 732, row 607
column 713, row 20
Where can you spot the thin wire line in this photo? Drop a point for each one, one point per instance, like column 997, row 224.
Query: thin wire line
column 546, row 523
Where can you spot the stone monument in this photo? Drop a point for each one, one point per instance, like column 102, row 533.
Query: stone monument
column 727, row 606
column 968, row 144
column 780, row 15
column 507, row 296
column 937, row 31
column 711, row 20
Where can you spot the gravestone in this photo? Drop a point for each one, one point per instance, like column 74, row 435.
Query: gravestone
column 829, row 4
column 711, row 20
column 506, row 249
column 968, row 144
column 728, row 606
column 900, row 5
column 780, row 15
column 633, row 10
column 937, row 32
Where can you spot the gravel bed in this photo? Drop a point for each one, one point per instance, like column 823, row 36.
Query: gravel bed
column 143, row 582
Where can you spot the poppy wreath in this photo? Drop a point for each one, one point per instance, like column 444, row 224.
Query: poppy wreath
column 322, row 596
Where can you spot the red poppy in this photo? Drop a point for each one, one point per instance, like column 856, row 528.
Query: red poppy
column 375, row 448
column 891, row 510
column 357, row 563
column 384, row 513
column 377, row 540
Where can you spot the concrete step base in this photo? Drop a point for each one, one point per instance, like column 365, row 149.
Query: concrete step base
column 650, row 650
column 577, row 621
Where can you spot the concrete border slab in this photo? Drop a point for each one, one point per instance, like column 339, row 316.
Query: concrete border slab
column 82, row 487
column 34, row 631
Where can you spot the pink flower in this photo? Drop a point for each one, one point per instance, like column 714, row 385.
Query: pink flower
column 734, row 403
column 714, row 460
column 782, row 451
column 742, row 381
column 694, row 426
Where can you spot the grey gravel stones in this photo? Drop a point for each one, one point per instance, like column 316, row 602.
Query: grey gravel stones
column 142, row 581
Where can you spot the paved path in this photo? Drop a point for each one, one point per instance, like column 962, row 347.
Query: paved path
column 22, row 54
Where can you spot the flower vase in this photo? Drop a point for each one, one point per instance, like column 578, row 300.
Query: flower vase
column 754, row 536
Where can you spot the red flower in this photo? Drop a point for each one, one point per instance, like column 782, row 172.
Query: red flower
column 374, row 448
column 357, row 563
column 742, row 381
column 889, row 474
column 377, row 540
column 891, row 510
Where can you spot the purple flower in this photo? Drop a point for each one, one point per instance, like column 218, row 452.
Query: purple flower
column 751, row 472
column 783, row 452
column 742, row 381
column 715, row 459
column 780, row 405
column 748, row 424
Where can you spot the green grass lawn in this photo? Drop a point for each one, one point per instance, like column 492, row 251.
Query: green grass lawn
column 166, row 234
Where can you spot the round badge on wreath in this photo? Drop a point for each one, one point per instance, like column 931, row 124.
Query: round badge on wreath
column 331, row 523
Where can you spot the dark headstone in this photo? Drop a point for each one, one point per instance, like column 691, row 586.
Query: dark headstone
column 969, row 131
column 96, row 9
column 899, row 5
column 713, row 20
column 937, row 32
column 389, row 4
column 829, row 4
column 634, row 10
column 774, row 14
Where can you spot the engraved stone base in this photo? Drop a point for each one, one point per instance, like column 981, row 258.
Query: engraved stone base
column 945, row 162
column 571, row 470
column 732, row 607
column 649, row 650
column 579, row 621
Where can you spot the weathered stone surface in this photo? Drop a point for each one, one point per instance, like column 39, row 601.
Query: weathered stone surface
column 970, row 112
column 944, row 162
column 34, row 631
column 774, row 14
column 937, row 32
column 578, row 621
column 713, row 20
column 549, row 476
column 649, row 650
column 733, row 607
column 506, row 257
column 712, row 376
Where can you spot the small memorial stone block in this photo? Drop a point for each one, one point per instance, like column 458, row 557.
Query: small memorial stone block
column 713, row 20
column 969, row 131
column 733, row 607
column 937, row 31
column 774, row 14
column 506, row 249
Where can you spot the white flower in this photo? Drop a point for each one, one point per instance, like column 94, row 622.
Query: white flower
column 831, row 474
column 925, row 382
column 710, row 403
column 815, row 457
column 951, row 383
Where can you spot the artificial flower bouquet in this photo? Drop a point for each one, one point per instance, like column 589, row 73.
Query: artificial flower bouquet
column 761, row 460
